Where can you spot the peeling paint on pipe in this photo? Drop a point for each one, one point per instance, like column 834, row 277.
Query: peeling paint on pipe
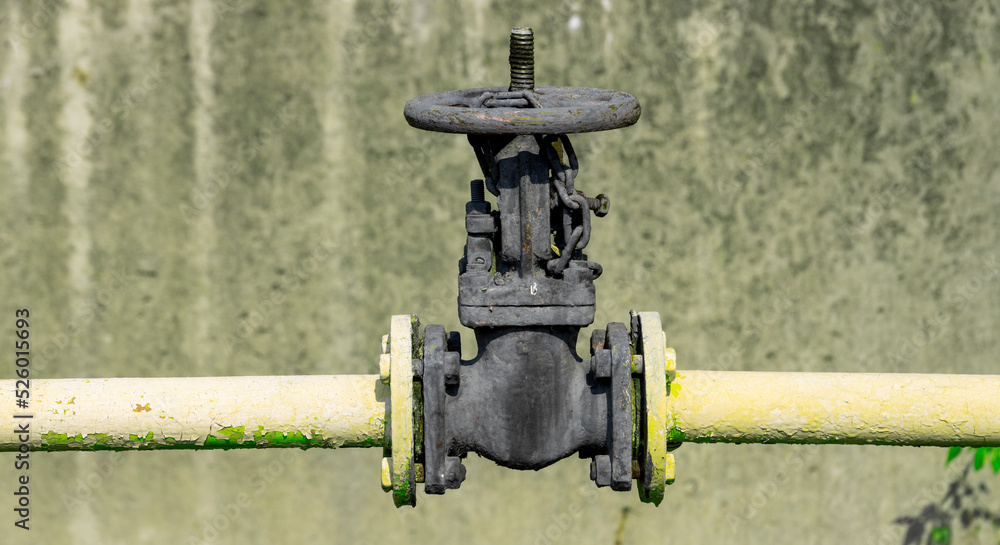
column 198, row 413
column 835, row 408
column 350, row 411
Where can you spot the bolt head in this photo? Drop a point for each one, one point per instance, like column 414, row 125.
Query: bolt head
column 597, row 340
column 601, row 470
column 387, row 474
column 671, row 363
column 452, row 366
column 602, row 205
column 600, row 364
column 637, row 363
column 384, row 368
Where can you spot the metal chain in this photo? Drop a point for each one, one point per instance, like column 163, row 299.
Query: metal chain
column 574, row 204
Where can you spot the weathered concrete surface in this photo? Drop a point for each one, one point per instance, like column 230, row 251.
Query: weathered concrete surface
column 812, row 186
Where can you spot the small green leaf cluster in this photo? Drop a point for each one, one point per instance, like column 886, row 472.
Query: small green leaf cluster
column 980, row 458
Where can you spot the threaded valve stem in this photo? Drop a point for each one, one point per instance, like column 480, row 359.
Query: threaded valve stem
column 522, row 59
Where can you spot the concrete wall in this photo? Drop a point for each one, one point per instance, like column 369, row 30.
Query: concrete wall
column 813, row 186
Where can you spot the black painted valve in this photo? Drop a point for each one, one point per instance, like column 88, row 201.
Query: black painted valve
column 526, row 287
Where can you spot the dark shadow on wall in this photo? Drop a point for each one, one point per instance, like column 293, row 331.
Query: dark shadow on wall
column 961, row 504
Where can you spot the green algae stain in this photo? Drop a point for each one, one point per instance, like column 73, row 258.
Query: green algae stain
column 53, row 441
column 676, row 436
column 227, row 437
column 99, row 440
column 133, row 438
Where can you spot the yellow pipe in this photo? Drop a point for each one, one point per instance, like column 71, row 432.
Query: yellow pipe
column 840, row 408
column 350, row 411
column 195, row 413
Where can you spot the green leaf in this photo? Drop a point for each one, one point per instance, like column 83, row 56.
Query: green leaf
column 980, row 457
column 996, row 460
column 941, row 534
column 953, row 453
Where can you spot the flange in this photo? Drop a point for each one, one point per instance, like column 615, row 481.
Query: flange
column 398, row 469
column 656, row 467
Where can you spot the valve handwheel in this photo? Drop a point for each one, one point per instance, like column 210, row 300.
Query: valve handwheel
column 564, row 110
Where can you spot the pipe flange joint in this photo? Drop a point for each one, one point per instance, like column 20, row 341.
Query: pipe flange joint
column 400, row 347
column 655, row 463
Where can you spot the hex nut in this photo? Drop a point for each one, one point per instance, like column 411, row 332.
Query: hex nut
column 600, row 364
column 601, row 470
column 387, row 474
column 597, row 338
column 601, row 205
column 480, row 224
column 671, row 361
column 452, row 365
column 384, row 368
column 637, row 363
column 454, row 472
